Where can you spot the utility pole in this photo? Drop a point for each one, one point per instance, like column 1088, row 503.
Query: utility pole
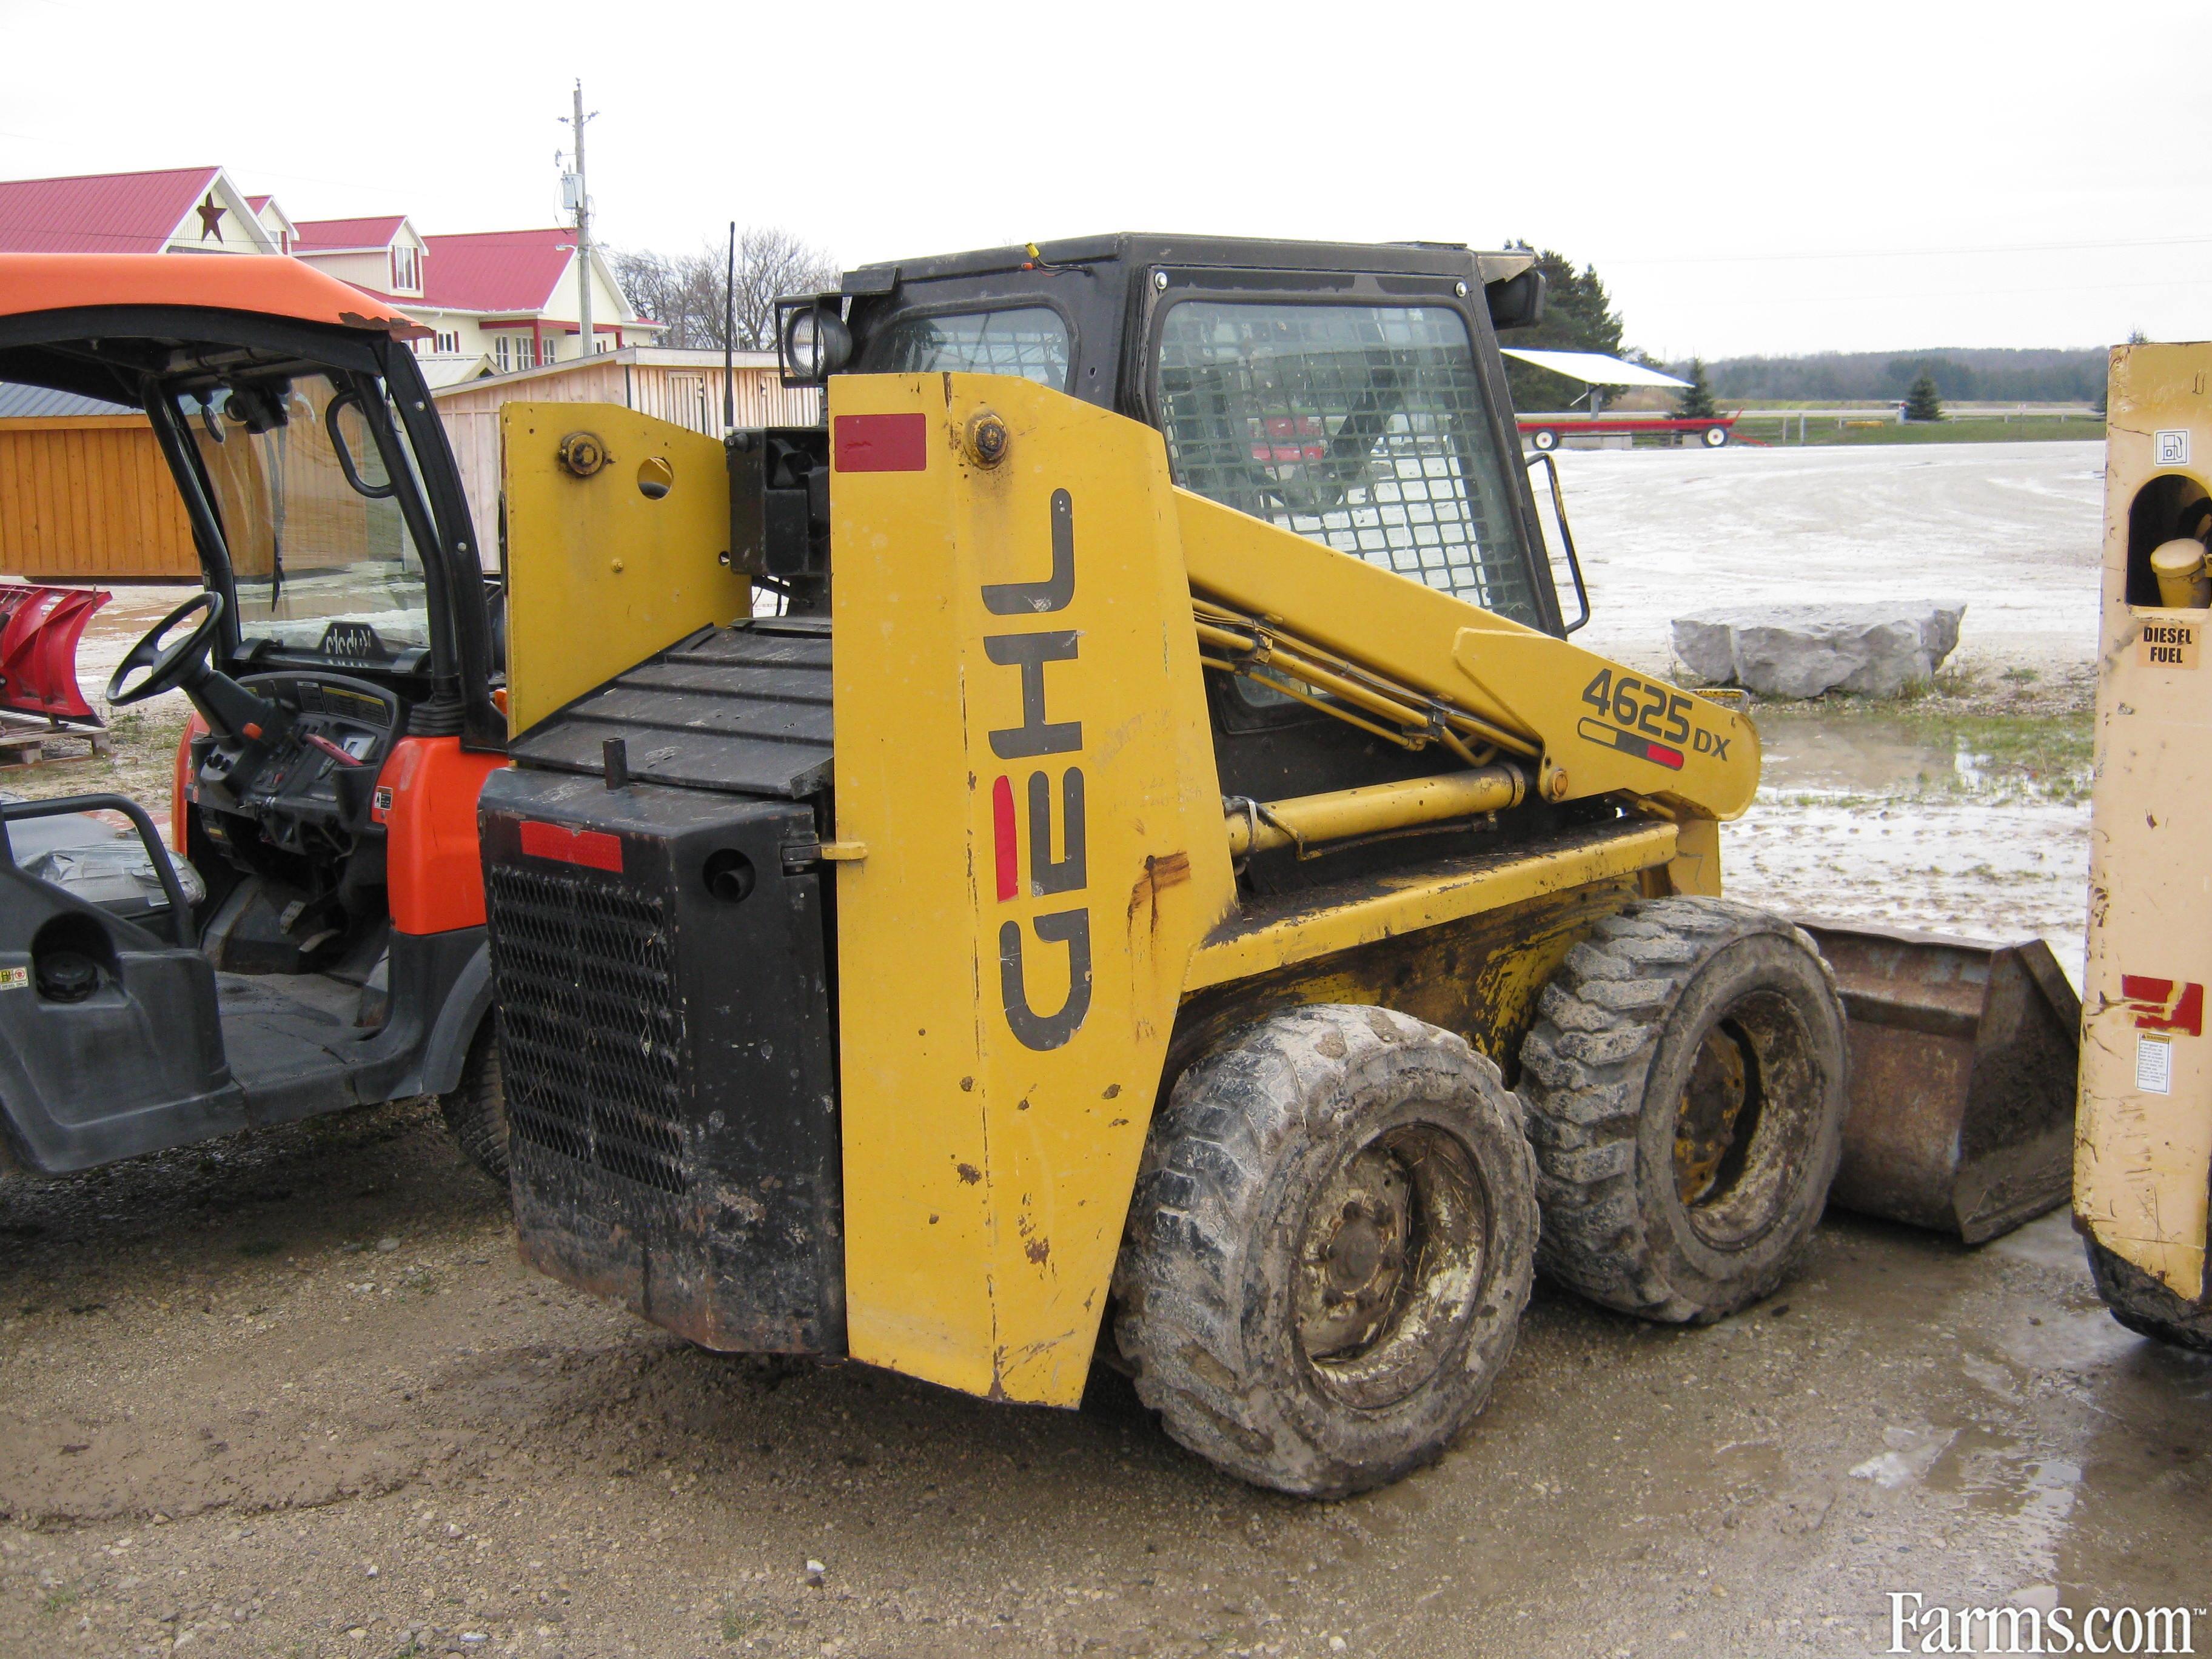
column 585, row 341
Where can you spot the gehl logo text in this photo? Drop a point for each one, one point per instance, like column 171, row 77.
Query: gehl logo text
column 1051, row 788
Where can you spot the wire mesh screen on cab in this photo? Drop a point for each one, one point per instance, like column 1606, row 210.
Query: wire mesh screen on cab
column 1360, row 426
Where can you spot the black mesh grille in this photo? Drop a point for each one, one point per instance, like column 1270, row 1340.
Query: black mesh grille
column 591, row 1043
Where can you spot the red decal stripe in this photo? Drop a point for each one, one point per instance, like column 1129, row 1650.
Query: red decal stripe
column 1664, row 756
column 594, row 848
column 1002, row 834
column 879, row 443
column 2158, row 1009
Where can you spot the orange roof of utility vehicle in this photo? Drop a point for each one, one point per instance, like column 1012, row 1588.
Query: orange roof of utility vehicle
column 266, row 284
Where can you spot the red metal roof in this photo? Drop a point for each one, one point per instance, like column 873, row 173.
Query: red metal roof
column 376, row 232
column 268, row 284
column 99, row 213
column 496, row 270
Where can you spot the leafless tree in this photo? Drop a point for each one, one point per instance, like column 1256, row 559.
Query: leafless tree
column 691, row 294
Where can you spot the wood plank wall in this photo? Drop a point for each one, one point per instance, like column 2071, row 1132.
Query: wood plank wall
column 88, row 497
column 689, row 397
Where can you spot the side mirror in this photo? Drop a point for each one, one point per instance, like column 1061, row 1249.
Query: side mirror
column 1516, row 302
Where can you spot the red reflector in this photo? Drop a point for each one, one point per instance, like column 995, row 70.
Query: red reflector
column 1002, row 835
column 594, row 848
column 879, row 443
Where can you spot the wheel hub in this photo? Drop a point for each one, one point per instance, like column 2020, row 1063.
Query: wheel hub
column 1354, row 1259
column 1706, row 1121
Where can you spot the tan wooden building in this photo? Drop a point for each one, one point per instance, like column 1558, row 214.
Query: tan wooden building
column 682, row 387
column 85, row 496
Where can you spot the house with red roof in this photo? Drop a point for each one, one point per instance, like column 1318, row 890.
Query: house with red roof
column 180, row 211
column 506, row 295
column 495, row 301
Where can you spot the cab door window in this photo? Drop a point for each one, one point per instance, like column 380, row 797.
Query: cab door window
column 1362, row 427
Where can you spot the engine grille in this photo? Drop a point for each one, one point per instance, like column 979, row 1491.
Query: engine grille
column 590, row 1040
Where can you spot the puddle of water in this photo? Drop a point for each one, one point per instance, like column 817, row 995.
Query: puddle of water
column 1858, row 756
column 1855, row 756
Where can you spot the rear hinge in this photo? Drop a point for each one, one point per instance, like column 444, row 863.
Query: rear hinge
column 801, row 854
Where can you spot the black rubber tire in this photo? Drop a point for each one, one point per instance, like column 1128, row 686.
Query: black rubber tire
column 2145, row 1306
column 1217, row 1254
column 476, row 1112
column 1544, row 440
column 1620, row 1028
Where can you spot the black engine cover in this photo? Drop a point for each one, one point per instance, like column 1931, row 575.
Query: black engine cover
column 666, row 1042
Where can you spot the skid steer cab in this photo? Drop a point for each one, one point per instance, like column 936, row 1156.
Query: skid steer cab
column 314, row 938
column 1105, row 850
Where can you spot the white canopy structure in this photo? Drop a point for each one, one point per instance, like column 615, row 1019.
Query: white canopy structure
column 1595, row 368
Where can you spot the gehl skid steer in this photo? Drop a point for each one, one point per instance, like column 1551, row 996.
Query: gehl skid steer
column 1163, row 870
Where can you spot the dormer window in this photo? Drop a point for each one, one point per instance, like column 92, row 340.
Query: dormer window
column 406, row 269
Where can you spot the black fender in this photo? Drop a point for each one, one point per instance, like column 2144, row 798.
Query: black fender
column 467, row 1004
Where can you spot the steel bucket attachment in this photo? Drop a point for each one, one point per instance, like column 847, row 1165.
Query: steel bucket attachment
column 1963, row 1062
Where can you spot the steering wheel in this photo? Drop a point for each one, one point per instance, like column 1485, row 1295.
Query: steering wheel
column 169, row 667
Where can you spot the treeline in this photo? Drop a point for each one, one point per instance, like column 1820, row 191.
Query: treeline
column 1975, row 375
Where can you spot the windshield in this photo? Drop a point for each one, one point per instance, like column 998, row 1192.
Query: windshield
column 322, row 561
column 1030, row 341
column 1361, row 427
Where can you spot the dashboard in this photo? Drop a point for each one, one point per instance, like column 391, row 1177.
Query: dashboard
column 317, row 767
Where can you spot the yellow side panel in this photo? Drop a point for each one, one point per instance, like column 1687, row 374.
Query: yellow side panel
column 606, row 569
column 1598, row 734
column 2142, row 1165
column 1015, row 659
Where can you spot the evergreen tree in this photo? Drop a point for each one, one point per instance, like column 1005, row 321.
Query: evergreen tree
column 1578, row 316
column 1695, row 403
column 1921, row 402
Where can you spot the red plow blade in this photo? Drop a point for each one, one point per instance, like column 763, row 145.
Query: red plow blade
column 39, row 628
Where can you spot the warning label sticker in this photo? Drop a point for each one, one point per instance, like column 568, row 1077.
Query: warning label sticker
column 14, row 978
column 2153, row 1064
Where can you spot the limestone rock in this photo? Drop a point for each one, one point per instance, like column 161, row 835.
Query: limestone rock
column 1802, row 650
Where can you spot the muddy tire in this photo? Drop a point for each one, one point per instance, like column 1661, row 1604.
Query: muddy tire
column 1686, row 1086
column 2144, row 1305
column 476, row 1112
column 1330, row 1249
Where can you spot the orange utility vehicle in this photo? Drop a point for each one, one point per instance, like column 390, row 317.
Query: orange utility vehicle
column 339, row 661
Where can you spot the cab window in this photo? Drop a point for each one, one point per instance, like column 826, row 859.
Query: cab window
column 1030, row 341
column 319, row 550
column 1361, row 427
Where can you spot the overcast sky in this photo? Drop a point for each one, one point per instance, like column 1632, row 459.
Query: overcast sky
column 1769, row 178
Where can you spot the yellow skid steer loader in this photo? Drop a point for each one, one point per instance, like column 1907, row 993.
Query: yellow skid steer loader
column 1110, row 834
